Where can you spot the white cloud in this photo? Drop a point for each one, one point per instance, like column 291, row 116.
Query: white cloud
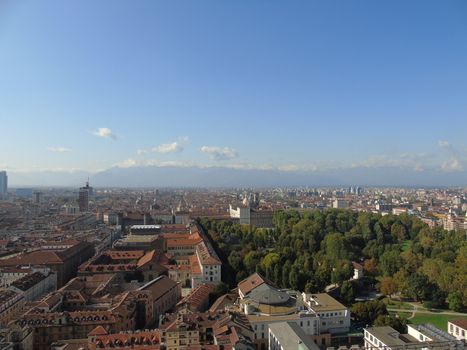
column 414, row 161
column 131, row 163
column 127, row 163
column 142, row 151
column 105, row 133
column 173, row 147
column 456, row 159
column 59, row 149
column 452, row 164
column 171, row 163
column 219, row 153
column 444, row 144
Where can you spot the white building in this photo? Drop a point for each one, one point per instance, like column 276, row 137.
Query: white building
column 334, row 317
column 253, row 217
column 417, row 337
column 289, row 336
column 458, row 329
column 209, row 263
column 357, row 271
column 35, row 285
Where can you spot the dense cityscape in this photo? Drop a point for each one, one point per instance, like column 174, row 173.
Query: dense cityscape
column 233, row 175
column 267, row 268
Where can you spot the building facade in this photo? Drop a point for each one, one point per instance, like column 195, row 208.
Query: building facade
column 458, row 329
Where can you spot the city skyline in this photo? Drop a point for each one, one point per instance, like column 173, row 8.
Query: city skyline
column 311, row 88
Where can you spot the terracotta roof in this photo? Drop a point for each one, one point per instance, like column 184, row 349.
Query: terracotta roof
column 357, row 265
column 38, row 257
column 177, row 242
column 132, row 340
column 207, row 255
column 198, row 296
column 125, row 255
column 99, row 330
column 195, row 268
column 148, row 257
column 159, row 286
column 462, row 323
column 250, row 283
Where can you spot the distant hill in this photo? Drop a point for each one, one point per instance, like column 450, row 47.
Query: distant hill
column 170, row 176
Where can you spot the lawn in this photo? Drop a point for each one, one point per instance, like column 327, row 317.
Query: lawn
column 401, row 315
column 440, row 321
column 394, row 304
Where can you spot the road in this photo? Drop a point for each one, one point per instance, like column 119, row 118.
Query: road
column 416, row 310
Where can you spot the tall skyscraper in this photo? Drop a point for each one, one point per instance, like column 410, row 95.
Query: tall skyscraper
column 83, row 197
column 3, row 183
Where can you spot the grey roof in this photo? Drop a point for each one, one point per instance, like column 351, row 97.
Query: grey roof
column 265, row 294
column 389, row 336
column 432, row 332
column 292, row 337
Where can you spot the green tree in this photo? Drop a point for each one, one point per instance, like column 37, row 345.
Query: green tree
column 418, row 287
column 390, row 262
column 347, row 293
column 387, row 286
column 251, row 260
column 391, row 321
column 366, row 312
column 455, row 301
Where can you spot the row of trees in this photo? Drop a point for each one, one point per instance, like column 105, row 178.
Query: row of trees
column 308, row 251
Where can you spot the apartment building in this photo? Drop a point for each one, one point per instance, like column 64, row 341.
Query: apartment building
column 35, row 285
column 64, row 259
column 165, row 293
column 126, row 265
column 458, row 329
column 334, row 317
column 11, row 303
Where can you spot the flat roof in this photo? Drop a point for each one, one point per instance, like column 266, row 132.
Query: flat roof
column 322, row 302
column 390, row 337
column 291, row 336
column 139, row 238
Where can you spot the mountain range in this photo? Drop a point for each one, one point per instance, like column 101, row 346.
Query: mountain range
column 172, row 176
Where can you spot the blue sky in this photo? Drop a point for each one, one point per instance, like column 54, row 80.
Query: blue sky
column 293, row 85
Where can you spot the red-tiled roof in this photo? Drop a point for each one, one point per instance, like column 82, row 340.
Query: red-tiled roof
column 462, row 323
column 250, row 283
